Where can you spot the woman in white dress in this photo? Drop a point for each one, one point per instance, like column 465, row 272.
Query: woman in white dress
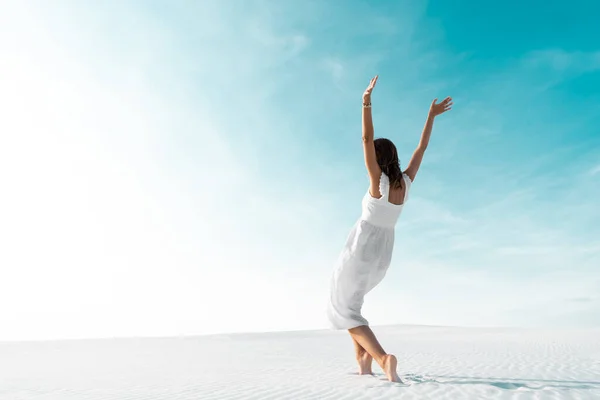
column 368, row 251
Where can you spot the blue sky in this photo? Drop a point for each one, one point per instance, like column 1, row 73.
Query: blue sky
column 186, row 168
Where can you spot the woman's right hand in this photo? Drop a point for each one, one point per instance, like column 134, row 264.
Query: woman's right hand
column 367, row 93
column 440, row 108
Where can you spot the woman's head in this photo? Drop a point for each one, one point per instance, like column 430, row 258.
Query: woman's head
column 387, row 158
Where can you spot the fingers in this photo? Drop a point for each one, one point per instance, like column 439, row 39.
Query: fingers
column 373, row 82
column 371, row 86
column 444, row 105
column 445, row 101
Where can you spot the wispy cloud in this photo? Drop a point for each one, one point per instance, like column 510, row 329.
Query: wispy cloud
column 335, row 68
column 563, row 61
column 152, row 178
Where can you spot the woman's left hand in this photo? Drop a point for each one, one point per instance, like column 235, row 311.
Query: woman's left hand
column 367, row 93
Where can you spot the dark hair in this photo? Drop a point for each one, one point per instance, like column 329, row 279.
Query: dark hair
column 387, row 158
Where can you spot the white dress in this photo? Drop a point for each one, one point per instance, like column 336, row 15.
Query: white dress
column 366, row 257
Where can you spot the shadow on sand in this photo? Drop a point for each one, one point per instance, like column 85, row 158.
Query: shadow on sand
column 501, row 383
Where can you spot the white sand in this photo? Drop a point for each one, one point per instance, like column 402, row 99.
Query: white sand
column 440, row 363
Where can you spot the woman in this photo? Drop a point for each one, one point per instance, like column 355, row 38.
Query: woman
column 368, row 251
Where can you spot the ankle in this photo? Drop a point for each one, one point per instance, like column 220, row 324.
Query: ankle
column 362, row 354
column 381, row 359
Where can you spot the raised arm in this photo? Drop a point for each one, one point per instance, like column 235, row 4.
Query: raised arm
column 435, row 110
column 368, row 134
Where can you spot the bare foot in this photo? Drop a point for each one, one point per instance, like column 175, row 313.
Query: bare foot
column 364, row 364
column 389, row 367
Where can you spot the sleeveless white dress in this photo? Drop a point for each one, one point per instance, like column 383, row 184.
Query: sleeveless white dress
column 365, row 258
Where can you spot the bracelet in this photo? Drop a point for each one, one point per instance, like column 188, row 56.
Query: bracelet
column 367, row 105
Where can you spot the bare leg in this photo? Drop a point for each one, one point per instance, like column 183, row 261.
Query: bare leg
column 364, row 359
column 364, row 336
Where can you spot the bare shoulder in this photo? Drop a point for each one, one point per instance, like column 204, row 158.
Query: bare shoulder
column 409, row 175
column 374, row 182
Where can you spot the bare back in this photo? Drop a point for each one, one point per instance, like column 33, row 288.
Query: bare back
column 396, row 195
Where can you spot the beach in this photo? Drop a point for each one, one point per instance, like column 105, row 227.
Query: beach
column 434, row 363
